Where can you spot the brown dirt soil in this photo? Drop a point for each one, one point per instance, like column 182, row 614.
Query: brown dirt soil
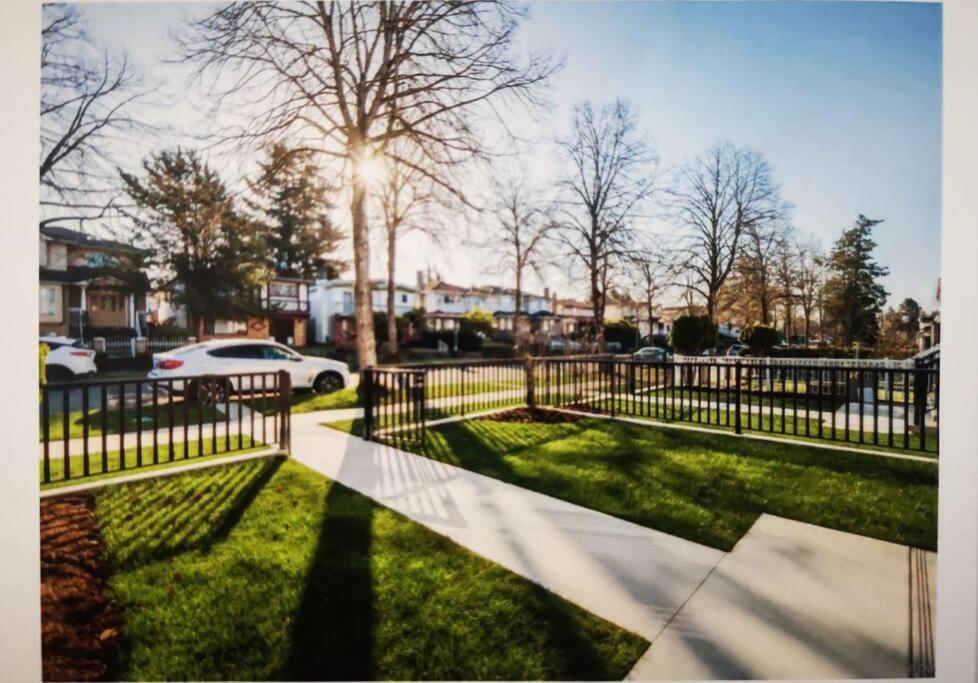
column 80, row 625
column 533, row 415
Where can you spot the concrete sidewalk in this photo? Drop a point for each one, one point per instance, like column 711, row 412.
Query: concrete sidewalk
column 793, row 600
column 790, row 601
column 630, row 575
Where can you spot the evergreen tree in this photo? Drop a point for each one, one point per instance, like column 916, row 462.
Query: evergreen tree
column 196, row 237
column 853, row 295
column 295, row 203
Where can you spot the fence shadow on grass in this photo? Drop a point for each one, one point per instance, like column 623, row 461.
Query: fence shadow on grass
column 333, row 632
column 163, row 518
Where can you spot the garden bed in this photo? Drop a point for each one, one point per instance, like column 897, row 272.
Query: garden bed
column 81, row 625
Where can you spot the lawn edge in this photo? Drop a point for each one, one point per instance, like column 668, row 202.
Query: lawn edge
column 163, row 472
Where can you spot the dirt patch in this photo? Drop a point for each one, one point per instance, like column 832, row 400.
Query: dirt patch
column 80, row 626
column 533, row 415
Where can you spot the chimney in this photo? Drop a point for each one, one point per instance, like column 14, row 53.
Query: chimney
column 421, row 282
column 546, row 292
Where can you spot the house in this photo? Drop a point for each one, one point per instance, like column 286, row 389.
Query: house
column 445, row 304
column 88, row 286
column 331, row 307
column 284, row 301
column 575, row 317
column 929, row 334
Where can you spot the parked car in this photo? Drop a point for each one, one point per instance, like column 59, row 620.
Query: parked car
column 563, row 344
column 242, row 355
column 67, row 359
column 652, row 354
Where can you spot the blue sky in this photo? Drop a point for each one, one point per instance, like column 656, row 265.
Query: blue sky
column 843, row 99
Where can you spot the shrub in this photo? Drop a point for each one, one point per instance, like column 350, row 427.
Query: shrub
column 693, row 334
column 760, row 338
column 622, row 332
column 475, row 321
column 468, row 341
column 168, row 330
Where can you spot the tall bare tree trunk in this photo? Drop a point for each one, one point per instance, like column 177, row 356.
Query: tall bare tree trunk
column 391, row 294
column 597, row 310
column 362, row 304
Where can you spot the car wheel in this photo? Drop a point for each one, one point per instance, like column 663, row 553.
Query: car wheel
column 327, row 383
column 210, row 391
column 58, row 373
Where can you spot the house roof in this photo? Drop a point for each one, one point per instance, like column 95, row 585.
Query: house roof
column 374, row 284
column 68, row 236
column 446, row 287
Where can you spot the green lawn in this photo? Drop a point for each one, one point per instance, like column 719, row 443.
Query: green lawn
column 709, row 488
column 305, row 402
column 76, row 419
column 265, row 570
column 795, row 427
column 141, row 460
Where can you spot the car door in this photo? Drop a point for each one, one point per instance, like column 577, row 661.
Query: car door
column 279, row 358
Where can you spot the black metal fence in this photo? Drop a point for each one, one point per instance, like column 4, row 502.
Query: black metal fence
column 99, row 427
column 895, row 407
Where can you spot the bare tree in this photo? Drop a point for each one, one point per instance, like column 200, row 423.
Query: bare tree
column 811, row 274
column 352, row 78
column 651, row 275
column 716, row 199
column 609, row 180
column 87, row 99
column 756, row 266
column 787, row 277
column 405, row 197
column 519, row 239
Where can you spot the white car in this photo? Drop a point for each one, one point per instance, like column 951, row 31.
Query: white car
column 67, row 359
column 243, row 355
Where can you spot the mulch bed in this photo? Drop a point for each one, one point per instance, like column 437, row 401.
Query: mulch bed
column 80, row 625
column 533, row 415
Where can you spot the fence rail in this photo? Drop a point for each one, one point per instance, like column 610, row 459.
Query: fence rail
column 98, row 427
column 868, row 405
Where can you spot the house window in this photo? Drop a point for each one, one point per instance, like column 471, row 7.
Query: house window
column 225, row 327
column 404, row 298
column 49, row 301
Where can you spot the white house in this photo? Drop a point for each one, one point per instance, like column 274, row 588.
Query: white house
column 331, row 306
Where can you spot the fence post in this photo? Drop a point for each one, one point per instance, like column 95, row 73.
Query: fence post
column 284, row 411
column 612, row 377
column 98, row 344
column 737, row 425
column 919, row 394
column 142, row 346
column 367, row 380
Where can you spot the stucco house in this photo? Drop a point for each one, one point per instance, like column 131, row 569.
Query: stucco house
column 331, row 307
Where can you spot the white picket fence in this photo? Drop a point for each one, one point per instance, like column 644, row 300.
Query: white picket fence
column 864, row 363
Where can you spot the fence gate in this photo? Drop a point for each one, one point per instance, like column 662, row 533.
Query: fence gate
column 394, row 406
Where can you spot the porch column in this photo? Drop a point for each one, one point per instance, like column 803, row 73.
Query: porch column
column 83, row 304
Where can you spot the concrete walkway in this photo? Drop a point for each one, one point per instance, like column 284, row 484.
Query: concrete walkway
column 794, row 600
column 790, row 601
column 628, row 574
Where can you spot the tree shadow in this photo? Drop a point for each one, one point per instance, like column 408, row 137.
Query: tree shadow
column 165, row 518
column 333, row 632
